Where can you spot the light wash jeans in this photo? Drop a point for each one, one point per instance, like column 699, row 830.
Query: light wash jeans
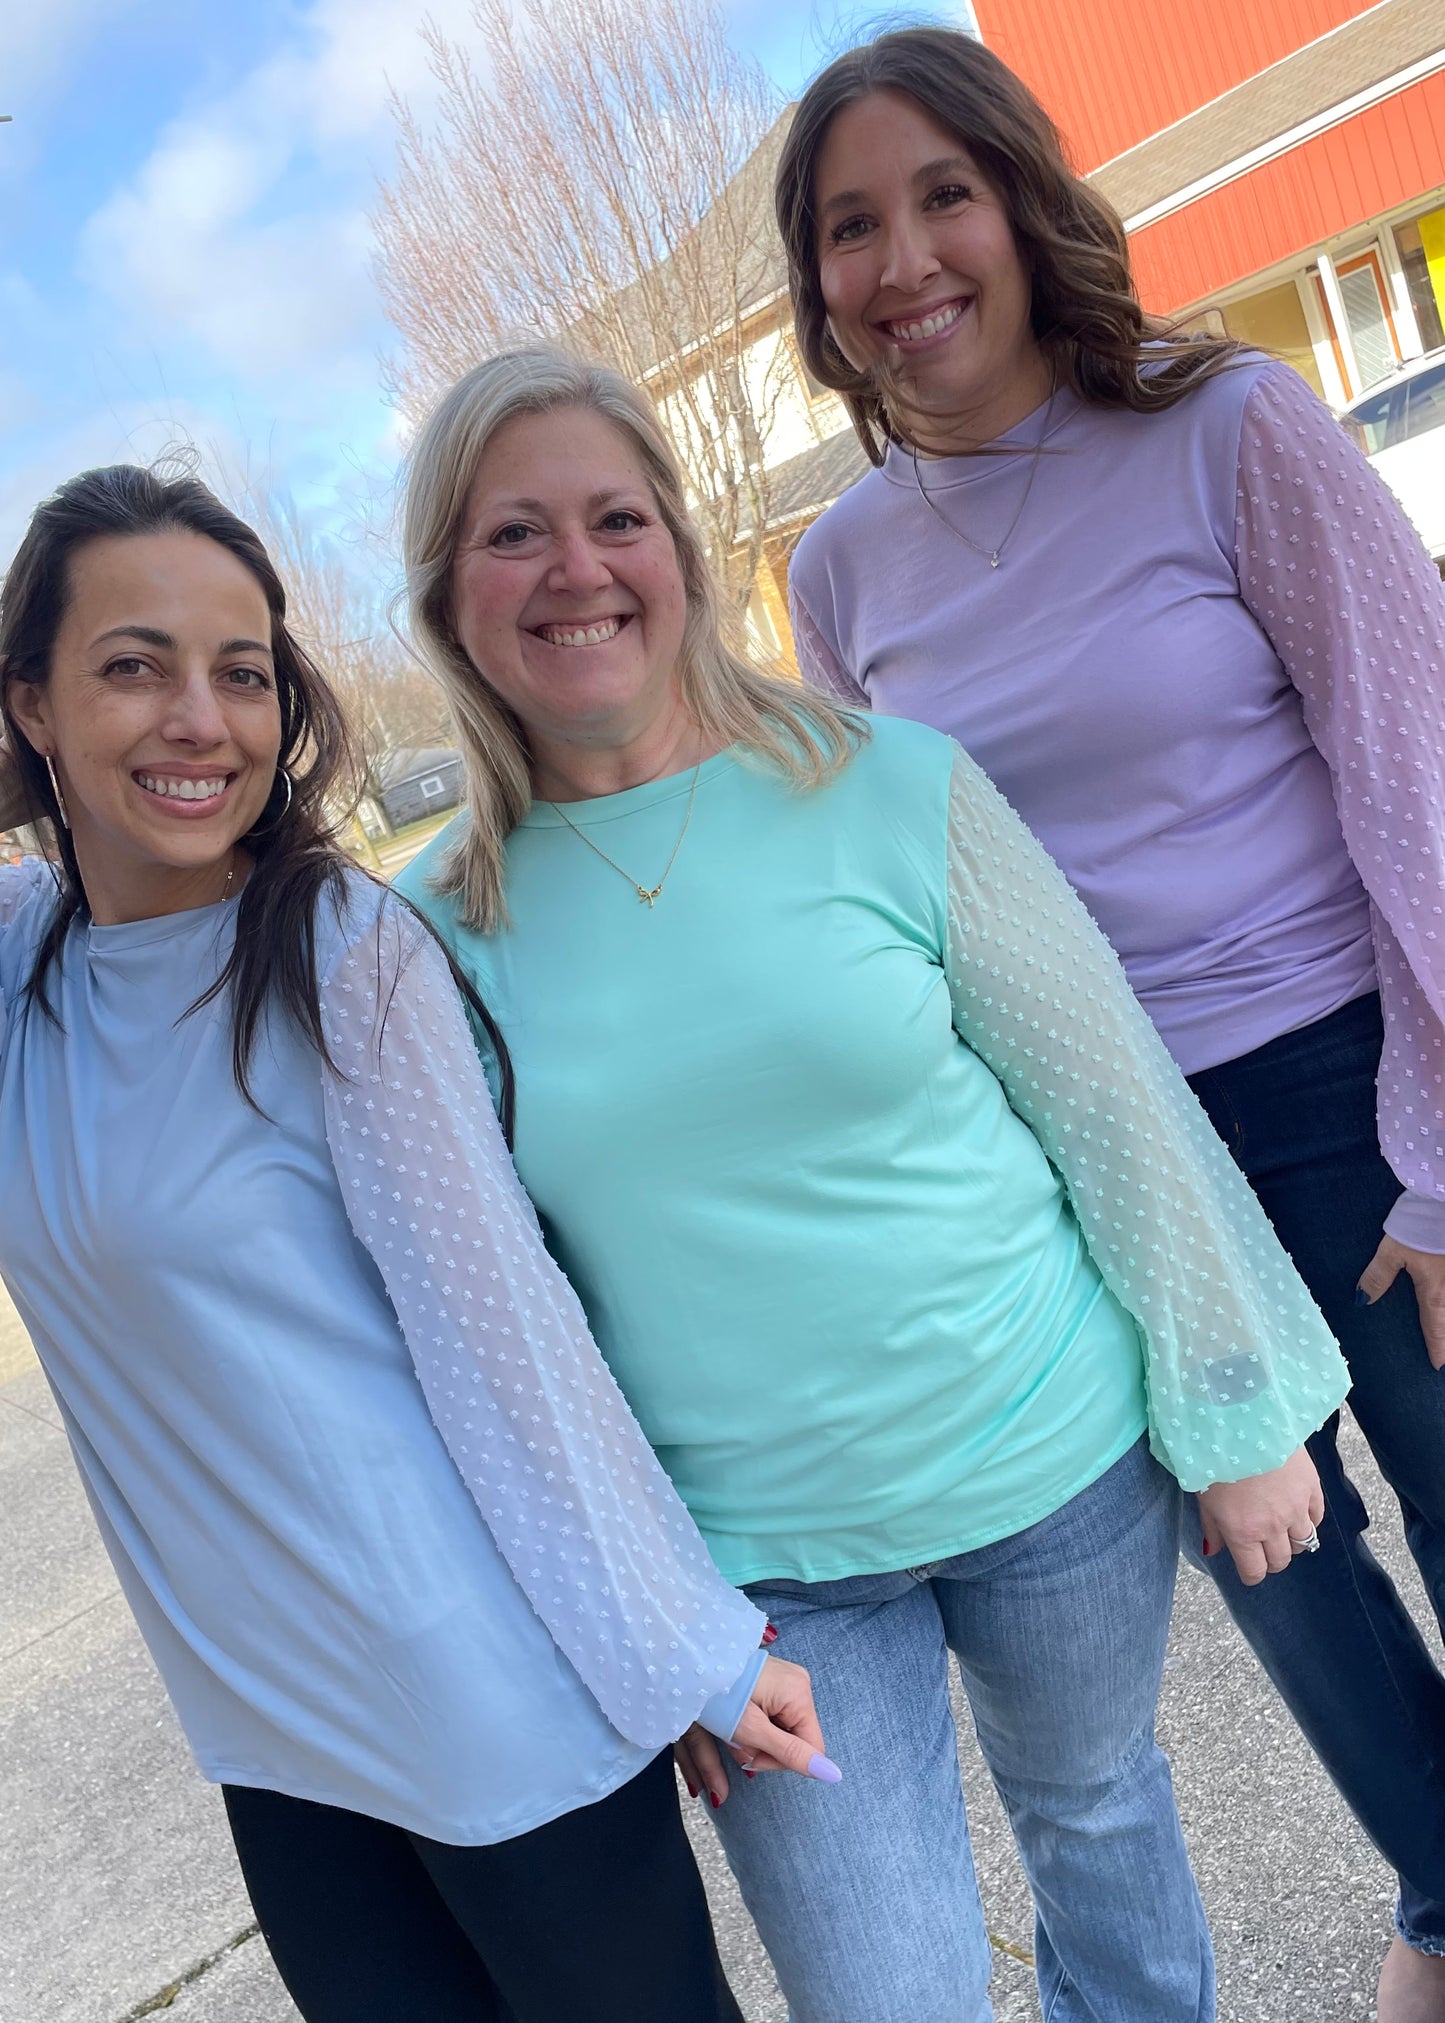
column 864, row 1892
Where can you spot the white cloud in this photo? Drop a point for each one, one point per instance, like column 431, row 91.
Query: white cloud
column 37, row 44
column 134, row 433
column 246, row 230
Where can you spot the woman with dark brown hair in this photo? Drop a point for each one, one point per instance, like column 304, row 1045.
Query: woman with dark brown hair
column 1150, row 586
column 426, row 1605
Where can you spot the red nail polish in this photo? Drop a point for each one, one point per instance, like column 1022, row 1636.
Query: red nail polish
column 714, row 1800
column 770, row 1634
column 750, row 1773
column 1205, row 1548
column 691, row 1790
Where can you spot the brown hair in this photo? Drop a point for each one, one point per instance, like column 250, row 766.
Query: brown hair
column 292, row 845
column 296, row 859
column 1086, row 317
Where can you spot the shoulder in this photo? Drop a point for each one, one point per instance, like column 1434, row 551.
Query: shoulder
column 28, row 897
column 416, row 882
column 902, row 762
column 836, row 535
column 362, row 919
column 1215, row 411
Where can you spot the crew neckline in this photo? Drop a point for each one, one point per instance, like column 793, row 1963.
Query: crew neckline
column 631, row 800
column 943, row 472
column 124, row 934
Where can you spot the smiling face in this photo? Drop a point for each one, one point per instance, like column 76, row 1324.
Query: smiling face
column 566, row 592
column 919, row 269
column 161, row 715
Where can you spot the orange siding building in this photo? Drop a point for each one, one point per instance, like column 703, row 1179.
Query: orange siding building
column 1280, row 167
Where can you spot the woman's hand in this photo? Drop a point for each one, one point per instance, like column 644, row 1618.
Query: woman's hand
column 779, row 1731
column 1427, row 1272
column 1259, row 1517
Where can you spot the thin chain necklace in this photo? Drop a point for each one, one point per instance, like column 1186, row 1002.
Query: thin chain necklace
column 993, row 554
column 647, row 894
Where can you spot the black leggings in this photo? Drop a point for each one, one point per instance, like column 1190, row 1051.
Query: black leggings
column 597, row 1917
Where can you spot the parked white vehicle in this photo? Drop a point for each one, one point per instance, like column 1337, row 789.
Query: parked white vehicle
column 1400, row 425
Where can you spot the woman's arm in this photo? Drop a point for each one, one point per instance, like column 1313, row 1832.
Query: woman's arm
column 584, row 1515
column 818, row 664
column 1336, row 577
column 1240, row 1366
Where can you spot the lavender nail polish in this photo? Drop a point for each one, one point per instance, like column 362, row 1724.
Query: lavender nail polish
column 825, row 1770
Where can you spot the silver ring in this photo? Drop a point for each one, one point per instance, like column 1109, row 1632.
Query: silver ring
column 1309, row 1544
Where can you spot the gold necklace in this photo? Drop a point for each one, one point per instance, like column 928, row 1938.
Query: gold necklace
column 648, row 894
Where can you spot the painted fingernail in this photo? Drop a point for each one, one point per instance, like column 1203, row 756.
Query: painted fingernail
column 692, row 1791
column 750, row 1773
column 714, row 1800
column 770, row 1634
column 1362, row 1298
column 1204, row 1548
column 825, row 1770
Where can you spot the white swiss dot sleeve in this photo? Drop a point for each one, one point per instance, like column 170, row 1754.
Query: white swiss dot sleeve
column 574, row 1496
column 1240, row 1366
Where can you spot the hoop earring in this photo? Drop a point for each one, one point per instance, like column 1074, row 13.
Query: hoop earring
column 285, row 808
column 55, row 789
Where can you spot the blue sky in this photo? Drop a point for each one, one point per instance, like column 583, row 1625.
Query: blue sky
column 184, row 249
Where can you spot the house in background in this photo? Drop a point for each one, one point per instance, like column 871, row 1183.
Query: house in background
column 1280, row 168
column 778, row 419
column 416, row 785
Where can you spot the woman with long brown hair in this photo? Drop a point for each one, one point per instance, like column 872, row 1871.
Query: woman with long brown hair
column 424, row 1602
column 1155, row 592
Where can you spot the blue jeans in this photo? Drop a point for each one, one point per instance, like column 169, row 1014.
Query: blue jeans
column 1332, row 1632
column 864, row 1892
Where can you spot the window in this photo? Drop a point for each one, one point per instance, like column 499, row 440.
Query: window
column 812, row 386
column 1374, row 423
column 1424, row 404
column 433, row 786
column 1366, row 300
column 1421, row 243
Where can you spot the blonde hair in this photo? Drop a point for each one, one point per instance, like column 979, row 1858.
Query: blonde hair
column 807, row 738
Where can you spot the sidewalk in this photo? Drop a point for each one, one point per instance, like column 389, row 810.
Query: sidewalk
column 117, row 1881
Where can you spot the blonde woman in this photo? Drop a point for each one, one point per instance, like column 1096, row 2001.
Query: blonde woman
column 922, row 1270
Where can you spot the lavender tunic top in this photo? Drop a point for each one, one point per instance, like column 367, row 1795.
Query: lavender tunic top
column 1209, row 673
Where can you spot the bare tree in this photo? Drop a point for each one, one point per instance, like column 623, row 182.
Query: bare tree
column 599, row 174
column 339, row 616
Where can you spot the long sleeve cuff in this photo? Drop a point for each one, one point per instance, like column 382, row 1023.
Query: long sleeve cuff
column 721, row 1714
column 1418, row 1221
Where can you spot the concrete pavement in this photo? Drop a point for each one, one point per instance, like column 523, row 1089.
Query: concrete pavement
column 119, row 1896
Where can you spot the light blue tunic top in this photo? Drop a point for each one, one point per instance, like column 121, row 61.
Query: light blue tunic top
column 234, row 1309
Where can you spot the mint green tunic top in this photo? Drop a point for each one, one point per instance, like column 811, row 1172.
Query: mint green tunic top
column 877, row 1291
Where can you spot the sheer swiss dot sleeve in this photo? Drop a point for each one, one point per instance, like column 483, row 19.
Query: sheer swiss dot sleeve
column 574, row 1496
column 1337, row 577
column 1240, row 1366
column 818, row 664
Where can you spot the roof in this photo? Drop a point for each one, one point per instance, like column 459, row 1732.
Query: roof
column 409, row 762
column 1373, row 46
column 805, row 484
column 734, row 258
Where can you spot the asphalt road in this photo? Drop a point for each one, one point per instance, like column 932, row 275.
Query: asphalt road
column 117, row 1882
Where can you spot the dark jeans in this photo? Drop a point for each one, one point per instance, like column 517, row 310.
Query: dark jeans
column 1332, row 1632
column 597, row 1917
